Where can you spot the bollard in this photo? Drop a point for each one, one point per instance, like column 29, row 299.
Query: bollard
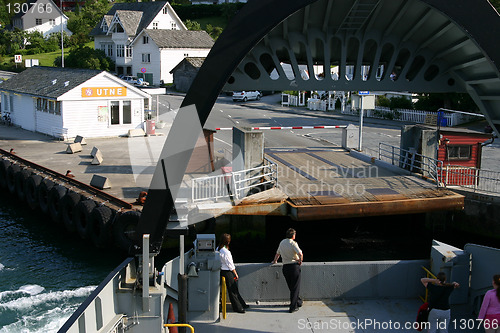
column 97, row 158
column 80, row 139
column 74, row 148
column 100, row 182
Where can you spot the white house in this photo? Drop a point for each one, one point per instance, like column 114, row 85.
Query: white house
column 39, row 15
column 157, row 52
column 124, row 22
column 84, row 102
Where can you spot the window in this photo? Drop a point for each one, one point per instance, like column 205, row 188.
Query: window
column 459, row 152
column 174, row 25
column 38, row 21
column 52, row 22
column 110, row 50
column 128, row 51
column 145, row 39
column 48, row 105
column 118, row 28
column 115, row 113
column 5, row 102
column 146, row 57
column 121, row 112
column 155, row 25
column 105, row 27
column 165, row 10
column 120, row 50
column 103, row 47
column 186, row 54
column 127, row 112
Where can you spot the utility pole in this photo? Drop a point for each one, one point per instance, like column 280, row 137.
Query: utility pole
column 62, row 34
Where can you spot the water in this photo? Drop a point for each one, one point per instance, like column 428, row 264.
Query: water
column 45, row 273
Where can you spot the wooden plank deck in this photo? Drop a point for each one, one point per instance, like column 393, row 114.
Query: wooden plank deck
column 330, row 183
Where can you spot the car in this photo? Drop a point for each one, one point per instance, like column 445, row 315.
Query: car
column 130, row 79
column 246, row 95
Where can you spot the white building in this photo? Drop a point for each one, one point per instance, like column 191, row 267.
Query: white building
column 116, row 34
column 84, row 102
column 157, row 52
column 39, row 15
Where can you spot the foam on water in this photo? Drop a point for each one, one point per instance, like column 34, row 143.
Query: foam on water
column 41, row 322
column 1, row 266
column 55, row 296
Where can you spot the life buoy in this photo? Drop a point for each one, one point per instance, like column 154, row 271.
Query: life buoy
column 100, row 226
column 54, row 200
column 81, row 217
column 124, row 230
column 43, row 194
column 4, row 165
column 11, row 177
column 20, row 179
column 67, row 208
column 30, row 190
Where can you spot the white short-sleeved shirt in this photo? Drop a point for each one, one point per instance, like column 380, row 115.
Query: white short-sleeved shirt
column 226, row 260
column 289, row 251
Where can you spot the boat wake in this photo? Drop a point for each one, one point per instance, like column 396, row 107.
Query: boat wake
column 31, row 309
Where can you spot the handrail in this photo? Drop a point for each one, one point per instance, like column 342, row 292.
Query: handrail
column 412, row 161
column 428, row 274
column 223, row 298
column 180, row 325
column 234, row 183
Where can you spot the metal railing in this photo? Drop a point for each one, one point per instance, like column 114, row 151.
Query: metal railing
column 444, row 175
column 236, row 184
column 412, row 161
column 427, row 275
column 471, row 178
column 179, row 325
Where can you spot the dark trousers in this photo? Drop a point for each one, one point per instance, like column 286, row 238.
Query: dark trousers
column 292, row 277
column 237, row 301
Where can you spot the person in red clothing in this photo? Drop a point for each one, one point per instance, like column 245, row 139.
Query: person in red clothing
column 490, row 309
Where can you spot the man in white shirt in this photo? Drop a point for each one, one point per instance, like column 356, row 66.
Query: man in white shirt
column 292, row 258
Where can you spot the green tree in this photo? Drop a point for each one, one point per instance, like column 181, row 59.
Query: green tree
column 85, row 18
column 86, row 57
column 453, row 101
column 214, row 32
column 401, row 103
column 192, row 25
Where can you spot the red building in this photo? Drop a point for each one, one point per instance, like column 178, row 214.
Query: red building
column 460, row 151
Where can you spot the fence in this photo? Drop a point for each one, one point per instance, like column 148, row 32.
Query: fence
column 236, row 184
column 449, row 175
column 472, row 178
column 449, row 119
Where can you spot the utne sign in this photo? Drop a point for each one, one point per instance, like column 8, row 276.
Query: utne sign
column 104, row 92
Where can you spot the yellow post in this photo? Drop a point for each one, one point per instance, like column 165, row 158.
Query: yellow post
column 180, row 325
column 223, row 297
column 428, row 274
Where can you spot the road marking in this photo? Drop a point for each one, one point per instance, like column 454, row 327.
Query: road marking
column 222, row 141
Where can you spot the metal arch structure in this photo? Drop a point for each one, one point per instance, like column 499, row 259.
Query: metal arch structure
column 430, row 45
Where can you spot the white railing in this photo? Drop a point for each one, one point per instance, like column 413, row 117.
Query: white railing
column 416, row 116
column 234, row 185
column 212, row 187
column 412, row 161
column 472, row 178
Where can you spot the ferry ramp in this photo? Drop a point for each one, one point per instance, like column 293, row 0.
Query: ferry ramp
column 330, row 183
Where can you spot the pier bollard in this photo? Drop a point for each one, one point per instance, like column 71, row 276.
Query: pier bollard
column 136, row 132
column 100, row 182
column 80, row 139
column 94, row 151
column 97, row 158
column 74, row 148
